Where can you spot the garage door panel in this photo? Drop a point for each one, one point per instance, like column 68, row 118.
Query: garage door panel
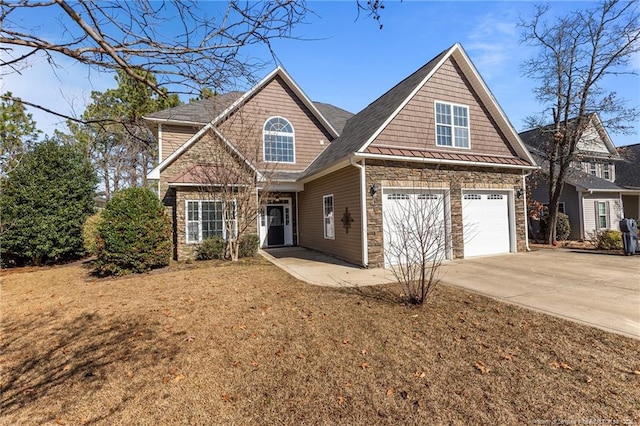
column 413, row 223
column 485, row 223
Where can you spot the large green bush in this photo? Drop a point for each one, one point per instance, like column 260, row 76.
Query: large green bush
column 134, row 234
column 44, row 201
column 606, row 240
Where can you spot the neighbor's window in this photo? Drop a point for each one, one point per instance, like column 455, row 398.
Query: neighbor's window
column 593, row 169
column 452, row 125
column 279, row 141
column 327, row 206
column 205, row 219
column 606, row 172
column 602, row 214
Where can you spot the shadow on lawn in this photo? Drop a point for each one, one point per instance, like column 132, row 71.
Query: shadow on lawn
column 77, row 356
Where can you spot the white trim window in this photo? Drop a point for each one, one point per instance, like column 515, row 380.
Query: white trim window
column 206, row 219
column 602, row 215
column 452, row 125
column 278, row 141
column 328, row 216
column 593, row 168
column 606, row 171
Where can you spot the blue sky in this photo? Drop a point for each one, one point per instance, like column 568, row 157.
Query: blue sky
column 349, row 63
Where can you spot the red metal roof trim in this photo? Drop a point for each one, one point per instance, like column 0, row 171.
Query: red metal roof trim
column 475, row 158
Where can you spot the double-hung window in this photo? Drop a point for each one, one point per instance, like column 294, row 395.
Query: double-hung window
column 606, row 171
column 206, row 219
column 452, row 125
column 327, row 213
column 601, row 215
column 278, row 141
column 593, row 168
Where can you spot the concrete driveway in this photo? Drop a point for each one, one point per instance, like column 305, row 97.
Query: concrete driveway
column 600, row 290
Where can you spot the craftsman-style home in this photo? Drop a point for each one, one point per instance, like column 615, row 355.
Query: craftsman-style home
column 332, row 178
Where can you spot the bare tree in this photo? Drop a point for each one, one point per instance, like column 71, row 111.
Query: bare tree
column 231, row 174
column 576, row 53
column 416, row 239
column 184, row 45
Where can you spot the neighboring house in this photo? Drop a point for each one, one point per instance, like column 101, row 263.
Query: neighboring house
column 590, row 197
column 628, row 177
column 439, row 135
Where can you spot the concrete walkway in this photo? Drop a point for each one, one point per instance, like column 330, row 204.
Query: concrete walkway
column 600, row 290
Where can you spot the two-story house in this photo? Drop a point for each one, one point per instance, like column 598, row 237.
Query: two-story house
column 590, row 197
column 438, row 137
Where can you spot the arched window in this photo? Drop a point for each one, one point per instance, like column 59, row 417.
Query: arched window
column 279, row 141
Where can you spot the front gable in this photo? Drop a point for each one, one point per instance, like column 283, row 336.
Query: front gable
column 241, row 126
column 244, row 126
column 595, row 141
column 414, row 127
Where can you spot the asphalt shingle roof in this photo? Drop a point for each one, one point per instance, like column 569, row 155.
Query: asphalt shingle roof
column 204, row 111
column 198, row 111
column 362, row 126
column 628, row 168
column 575, row 176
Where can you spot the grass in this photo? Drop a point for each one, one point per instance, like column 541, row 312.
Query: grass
column 216, row 343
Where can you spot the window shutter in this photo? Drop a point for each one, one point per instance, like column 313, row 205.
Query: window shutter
column 608, row 216
column 596, row 210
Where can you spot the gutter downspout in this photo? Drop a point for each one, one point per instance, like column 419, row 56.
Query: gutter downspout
column 363, row 210
column 526, row 215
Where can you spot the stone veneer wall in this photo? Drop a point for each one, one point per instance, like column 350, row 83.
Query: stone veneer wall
column 456, row 178
column 182, row 250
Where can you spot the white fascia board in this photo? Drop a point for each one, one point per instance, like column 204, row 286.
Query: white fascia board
column 244, row 97
column 607, row 139
column 305, row 99
column 612, row 191
column 406, row 101
column 509, row 130
column 213, row 122
column 175, row 154
column 237, row 152
column 507, row 127
column 171, row 121
column 277, row 71
column 334, row 167
column 440, row 161
column 284, row 187
column 216, row 185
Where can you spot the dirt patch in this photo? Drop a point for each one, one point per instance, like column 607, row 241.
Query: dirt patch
column 216, row 343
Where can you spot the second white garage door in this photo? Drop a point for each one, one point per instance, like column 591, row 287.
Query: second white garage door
column 485, row 219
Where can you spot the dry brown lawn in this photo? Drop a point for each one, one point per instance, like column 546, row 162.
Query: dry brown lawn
column 216, row 343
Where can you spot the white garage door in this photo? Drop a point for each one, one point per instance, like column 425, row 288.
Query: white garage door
column 414, row 225
column 485, row 219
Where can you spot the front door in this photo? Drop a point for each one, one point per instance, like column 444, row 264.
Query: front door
column 275, row 225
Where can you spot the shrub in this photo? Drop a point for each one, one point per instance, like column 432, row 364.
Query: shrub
column 211, row 248
column 134, row 234
column 90, row 233
column 563, row 228
column 44, row 202
column 606, row 240
column 248, row 245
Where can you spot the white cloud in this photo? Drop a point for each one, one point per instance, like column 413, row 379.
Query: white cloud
column 64, row 87
column 493, row 43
